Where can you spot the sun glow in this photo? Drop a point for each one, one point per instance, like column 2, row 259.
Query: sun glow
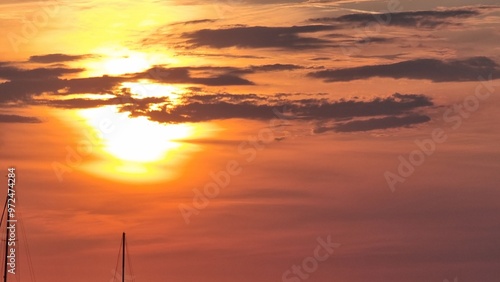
column 135, row 139
column 145, row 89
column 127, row 64
column 116, row 61
column 135, row 149
column 118, row 64
column 144, row 141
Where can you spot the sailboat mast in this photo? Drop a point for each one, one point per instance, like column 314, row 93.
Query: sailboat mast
column 123, row 257
column 6, row 243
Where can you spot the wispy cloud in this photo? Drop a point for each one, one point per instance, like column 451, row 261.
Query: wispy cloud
column 200, row 108
column 381, row 123
column 430, row 69
column 15, row 73
column 411, row 19
column 57, row 58
column 18, row 119
column 184, row 75
column 258, row 37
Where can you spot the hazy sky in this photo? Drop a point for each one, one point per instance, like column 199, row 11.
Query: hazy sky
column 254, row 140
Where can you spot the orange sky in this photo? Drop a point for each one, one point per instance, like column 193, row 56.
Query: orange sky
column 229, row 138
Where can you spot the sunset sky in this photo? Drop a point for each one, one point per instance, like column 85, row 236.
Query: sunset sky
column 231, row 139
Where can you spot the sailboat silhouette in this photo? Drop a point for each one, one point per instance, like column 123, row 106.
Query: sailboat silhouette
column 122, row 276
column 14, row 233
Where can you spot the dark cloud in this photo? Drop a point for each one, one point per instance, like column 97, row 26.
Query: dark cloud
column 13, row 91
column 380, row 113
column 24, row 90
column 431, row 69
column 226, row 97
column 369, row 39
column 225, row 55
column 198, row 112
column 56, row 58
column 199, row 108
column 78, row 103
column 232, row 4
column 393, row 105
column 271, row 1
column 184, row 75
column 209, row 75
column 222, row 80
column 274, row 67
column 125, row 101
column 202, row 21
column 259, row 37
column 385, row 57
column 18, row 119
column 380, row 123
column 14, row 73
column 251, row 69
column 254, row 69
column 95, row 85
column 320, row 59
column 418, row 19
column 23, row 84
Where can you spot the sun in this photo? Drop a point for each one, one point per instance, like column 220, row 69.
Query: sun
column 134, row 139
column 127, row 64
column 140, row 140
column 115, row 61
column 119, row 64
column 135, row 150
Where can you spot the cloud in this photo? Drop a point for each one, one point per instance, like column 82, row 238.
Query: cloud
column 362, row 115
column 23, row 84
column 226, row 97
column 202, row 21
column 56, row 58
column 125, row 101
column 380, row 123
column 320, row 59
column 429, row 69
column 78, row 103
column 96, row 85
column 259, row 37
column 394, row 105
column 413, row 19
column 209, row 75
column 184, row 75
column 234, row 3
column 200, row 108
column 274, row 67
column 14, row 91
column 14, row 73
column 272, row 1
column 250, row 69
column 225, row 55
column 24, row 90
column 18, row 119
